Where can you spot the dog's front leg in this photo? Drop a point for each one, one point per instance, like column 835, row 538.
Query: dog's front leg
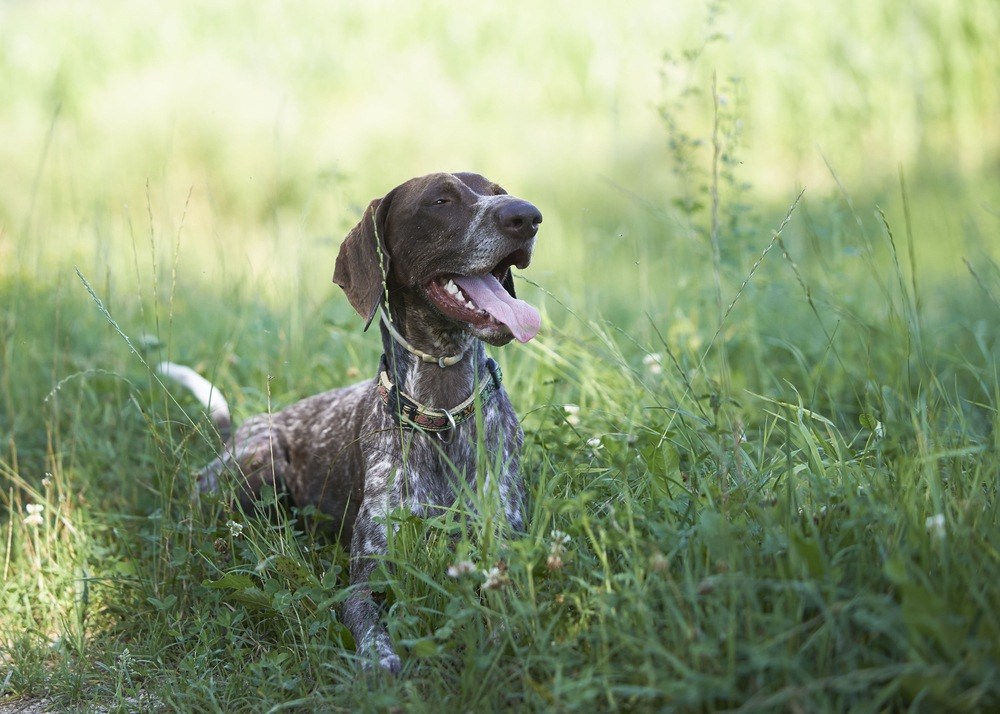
column 362, row 614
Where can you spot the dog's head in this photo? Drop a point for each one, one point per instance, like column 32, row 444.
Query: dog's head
column 451, row 241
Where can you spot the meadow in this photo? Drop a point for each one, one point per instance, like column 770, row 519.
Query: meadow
column 761, row 416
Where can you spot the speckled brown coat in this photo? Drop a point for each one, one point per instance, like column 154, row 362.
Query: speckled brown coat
column 345, row 451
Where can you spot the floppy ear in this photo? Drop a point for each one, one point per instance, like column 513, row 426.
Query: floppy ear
column 508, row 283
column 363, row 262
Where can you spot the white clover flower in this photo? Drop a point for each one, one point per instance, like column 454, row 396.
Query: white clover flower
column 125, row 657
column 556, row 549
column 936, row 525
column 462, row 567
column 496, row 577
column 653, row 362
column 34, row 517
column 658, row 562
column 594, row 443
column 235, row 529
column 572, row 414
column 125, row 661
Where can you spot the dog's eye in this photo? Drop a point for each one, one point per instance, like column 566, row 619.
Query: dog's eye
column 441, row 201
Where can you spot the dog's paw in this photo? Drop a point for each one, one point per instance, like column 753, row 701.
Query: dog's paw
column 377, row 647
column 391, row 663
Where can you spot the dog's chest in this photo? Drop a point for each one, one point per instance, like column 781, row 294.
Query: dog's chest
column 435, row 470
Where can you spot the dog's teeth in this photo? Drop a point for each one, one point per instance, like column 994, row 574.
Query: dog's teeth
column 452, row 289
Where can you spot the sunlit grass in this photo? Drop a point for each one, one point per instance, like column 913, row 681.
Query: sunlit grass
column 761, row 429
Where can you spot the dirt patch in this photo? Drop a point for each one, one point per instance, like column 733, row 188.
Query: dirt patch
column 25, row 706
column 44, row 706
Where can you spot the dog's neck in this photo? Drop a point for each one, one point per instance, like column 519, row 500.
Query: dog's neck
column 441, row 361
column 427, row 381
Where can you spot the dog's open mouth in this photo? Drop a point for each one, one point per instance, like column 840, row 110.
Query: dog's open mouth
column 481, row 300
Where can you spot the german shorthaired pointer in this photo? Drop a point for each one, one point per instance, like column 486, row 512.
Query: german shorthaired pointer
column 433, row 260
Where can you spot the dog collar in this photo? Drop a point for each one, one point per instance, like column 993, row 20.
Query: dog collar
column 407, row 411
column 441, row 362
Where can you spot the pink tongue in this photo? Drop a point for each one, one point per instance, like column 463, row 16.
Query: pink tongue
column 488, row 294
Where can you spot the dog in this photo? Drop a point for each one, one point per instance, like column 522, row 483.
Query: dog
column 432, row 260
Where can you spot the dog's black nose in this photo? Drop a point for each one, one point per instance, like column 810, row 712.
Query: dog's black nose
column 519, row 219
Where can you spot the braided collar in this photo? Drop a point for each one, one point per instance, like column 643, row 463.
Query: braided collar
column 408, row 412
column 441, row 362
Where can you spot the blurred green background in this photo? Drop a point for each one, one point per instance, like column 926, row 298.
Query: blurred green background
column 246, row 139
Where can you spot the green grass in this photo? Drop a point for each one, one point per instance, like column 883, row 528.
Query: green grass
column 765, row 422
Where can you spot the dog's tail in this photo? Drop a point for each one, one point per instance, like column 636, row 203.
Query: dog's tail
column 204, row 391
